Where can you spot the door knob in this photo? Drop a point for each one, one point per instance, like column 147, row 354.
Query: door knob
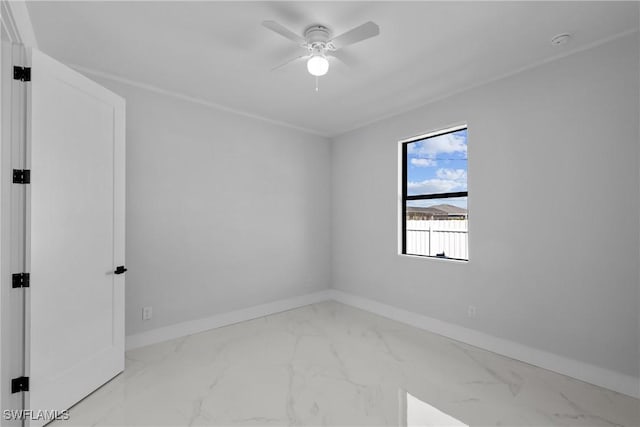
column 120, row 269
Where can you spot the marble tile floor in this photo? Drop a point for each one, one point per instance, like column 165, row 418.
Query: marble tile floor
column 331, row 364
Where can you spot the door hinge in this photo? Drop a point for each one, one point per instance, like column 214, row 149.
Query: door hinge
column 20, row 280
column 19, row 384
column 22, row 73
column 21, row 176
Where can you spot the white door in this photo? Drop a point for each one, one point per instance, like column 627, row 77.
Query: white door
column 75, row 235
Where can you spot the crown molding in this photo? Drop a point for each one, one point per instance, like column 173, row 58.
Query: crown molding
column 192, row 99
column 364, row 124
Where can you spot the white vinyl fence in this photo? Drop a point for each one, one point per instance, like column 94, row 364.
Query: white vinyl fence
column 434, row 237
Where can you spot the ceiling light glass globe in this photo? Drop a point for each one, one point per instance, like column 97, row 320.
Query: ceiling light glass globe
column 318, row 65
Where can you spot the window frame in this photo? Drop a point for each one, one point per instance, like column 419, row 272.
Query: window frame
column 404, row 197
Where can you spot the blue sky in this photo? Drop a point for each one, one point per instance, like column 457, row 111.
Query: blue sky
column 438, row 165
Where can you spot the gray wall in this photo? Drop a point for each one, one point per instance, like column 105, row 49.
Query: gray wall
column 226, row 212
column 554, row 207
column 223, row 211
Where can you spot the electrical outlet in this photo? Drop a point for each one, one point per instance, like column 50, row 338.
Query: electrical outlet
column 147, row 313
column 471, row 311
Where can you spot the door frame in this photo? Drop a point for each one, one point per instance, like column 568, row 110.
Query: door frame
column 17, row 33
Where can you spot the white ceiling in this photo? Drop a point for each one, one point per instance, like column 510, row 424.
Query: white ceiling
column 220, row 53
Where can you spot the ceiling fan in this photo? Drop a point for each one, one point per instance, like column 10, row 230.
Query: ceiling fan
column 317, row 40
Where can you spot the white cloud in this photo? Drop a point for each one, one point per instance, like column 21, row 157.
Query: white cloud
column 423, row 163
column 446, row 181
column 452, row 174
column 434, row 185
column 443, row 144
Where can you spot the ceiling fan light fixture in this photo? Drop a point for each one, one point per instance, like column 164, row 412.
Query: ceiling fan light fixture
column 318, row 65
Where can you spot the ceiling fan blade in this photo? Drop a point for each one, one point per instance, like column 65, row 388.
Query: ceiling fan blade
column 346, row 58
column 283, row 31
column 355, row 35
column 289, row 62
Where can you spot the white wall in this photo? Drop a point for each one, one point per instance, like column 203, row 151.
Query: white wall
column 223, row 211
column 553, row 202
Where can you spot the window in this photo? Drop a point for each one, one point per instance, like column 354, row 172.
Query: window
column 434, row 195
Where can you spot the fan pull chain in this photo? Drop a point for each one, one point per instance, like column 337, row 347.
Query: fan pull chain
column 316, row 83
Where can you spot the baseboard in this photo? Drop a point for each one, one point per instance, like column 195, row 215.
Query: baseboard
column 200, row 325
column 573, row 368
